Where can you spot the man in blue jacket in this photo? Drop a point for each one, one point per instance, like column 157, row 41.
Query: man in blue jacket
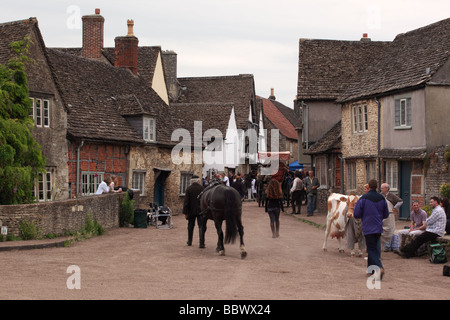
column 372, row 208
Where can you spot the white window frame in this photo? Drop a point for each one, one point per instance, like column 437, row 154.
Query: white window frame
column 371, row 170
column 391, row 168
column 321, row 165
column 40, row 112
column 149, row 129
column 185, row 181
column 403, row 113
column 42, row 190
column 90, row 181
column 138, row 181
column 351, row 175
column 359, row 118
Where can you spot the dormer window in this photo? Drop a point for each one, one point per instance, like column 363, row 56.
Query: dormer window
column 149, row 129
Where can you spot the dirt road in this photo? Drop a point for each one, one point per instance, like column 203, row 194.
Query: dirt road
column 150, row 263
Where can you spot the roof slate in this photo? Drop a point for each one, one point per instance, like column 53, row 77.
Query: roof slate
column 215, row 94
column 409, row 61
column 327, row 67
column 330, row 141
column 98, row 95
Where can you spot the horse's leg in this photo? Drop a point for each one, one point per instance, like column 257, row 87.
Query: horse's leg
column 202, row 231
column 241, row 234
column 220, row 248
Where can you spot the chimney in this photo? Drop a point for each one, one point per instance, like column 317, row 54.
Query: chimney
column 126, row 50
column 93, row 35
column 272, row 96
column 365, row 37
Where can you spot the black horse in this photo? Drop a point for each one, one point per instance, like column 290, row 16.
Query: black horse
column 218, row 203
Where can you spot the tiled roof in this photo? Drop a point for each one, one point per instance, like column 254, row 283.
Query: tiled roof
column 147, row 57
column 98, row 95
column 409, row 61
column 12, row 32
column 211, row 92
column 327, row 67
column 278, row 119
column 329, row 142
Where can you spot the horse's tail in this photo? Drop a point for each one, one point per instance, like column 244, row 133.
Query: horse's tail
column 230, row 214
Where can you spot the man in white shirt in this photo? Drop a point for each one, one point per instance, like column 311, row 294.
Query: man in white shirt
column 435, row 228
column 103, row 187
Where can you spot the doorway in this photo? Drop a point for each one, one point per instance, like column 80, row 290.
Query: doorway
column 158, row 188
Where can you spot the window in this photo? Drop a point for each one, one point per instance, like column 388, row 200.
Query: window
column 42, row 190
column 138, row 181
column 351, row 172
column 185, row 180
column 40, row 112
column 359, row 116
column 321, row 170
column 90, row 182
column 149, row 129
column 391, row 168
column 403, row 113
column 371, row 170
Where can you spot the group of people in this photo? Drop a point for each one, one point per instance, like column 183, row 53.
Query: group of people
column 108, row 185
column 377, row 210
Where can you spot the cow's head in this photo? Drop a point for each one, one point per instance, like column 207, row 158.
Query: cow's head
column 351, row 203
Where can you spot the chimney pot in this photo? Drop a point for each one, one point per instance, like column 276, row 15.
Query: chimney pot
column 272, row 94
column 126, row 50
column 97, row 11
column 365, row 37
column 130, row 24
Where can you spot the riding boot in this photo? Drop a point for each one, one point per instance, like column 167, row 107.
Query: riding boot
column 293, row 208
column 277, row 229
column 299, row 209
column 272, row 227
column 190, row 235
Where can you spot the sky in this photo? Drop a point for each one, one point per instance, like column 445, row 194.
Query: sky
column 219, row 38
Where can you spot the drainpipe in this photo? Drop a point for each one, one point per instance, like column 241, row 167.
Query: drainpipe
column 379, row 141
column 78, row 167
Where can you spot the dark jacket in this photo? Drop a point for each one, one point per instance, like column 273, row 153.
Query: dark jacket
column 274, row 204
column 191, row 206
column 239, row 186
column 372, row 209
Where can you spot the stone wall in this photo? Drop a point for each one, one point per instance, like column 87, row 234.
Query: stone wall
column 59, row 217
column 436, row 172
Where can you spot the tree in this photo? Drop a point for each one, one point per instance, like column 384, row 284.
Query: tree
column 21, row 158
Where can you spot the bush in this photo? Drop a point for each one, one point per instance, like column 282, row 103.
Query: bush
column 29, row 230
column 445, row 190
column 126, row 211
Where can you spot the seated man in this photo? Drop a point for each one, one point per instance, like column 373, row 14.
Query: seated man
column 418, row 225
column 435, row 227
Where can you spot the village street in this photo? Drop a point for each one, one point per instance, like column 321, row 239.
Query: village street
column 152, row 263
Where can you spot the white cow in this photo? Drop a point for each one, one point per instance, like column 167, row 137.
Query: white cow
column 340, row 209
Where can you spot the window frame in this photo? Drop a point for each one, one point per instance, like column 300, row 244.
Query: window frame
column 185, row 181
column 138, row 181
column 402, row 112
column 149, row 129
column 43, row 186
column 351, row 175
column 360, row 118
column 41, row 112
column 90, row 181
column 391, row 174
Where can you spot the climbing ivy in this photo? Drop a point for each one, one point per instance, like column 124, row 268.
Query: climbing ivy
column 21, row 158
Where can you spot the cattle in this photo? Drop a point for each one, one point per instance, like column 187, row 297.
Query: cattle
column 340, row 209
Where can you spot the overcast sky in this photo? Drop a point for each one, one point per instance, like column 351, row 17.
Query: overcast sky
column 230, row 37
